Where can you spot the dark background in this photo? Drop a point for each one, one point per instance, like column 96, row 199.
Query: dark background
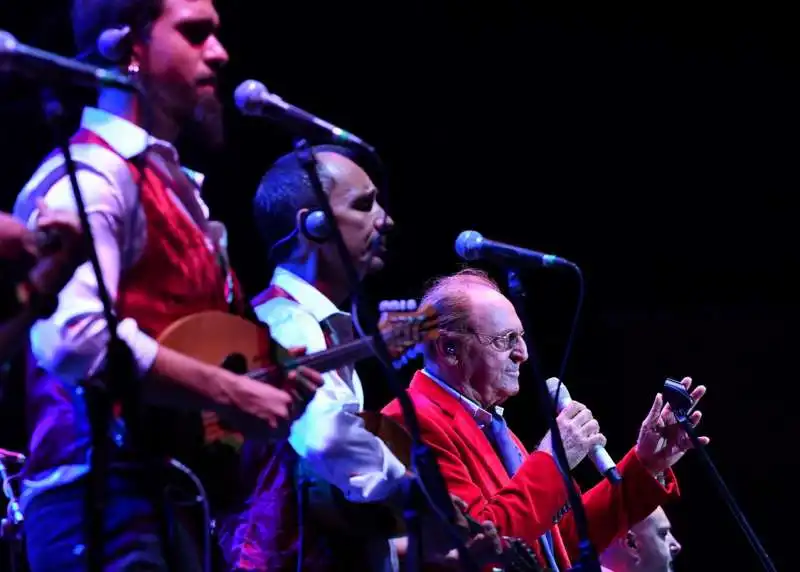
column 654, row 146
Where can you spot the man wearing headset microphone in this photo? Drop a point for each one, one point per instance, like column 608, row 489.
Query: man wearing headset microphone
column 301, row 306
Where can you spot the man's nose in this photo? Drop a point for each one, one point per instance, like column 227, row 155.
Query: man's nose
column 519, row 353
column 384, row 223
column 674, row 546
column 215, row 53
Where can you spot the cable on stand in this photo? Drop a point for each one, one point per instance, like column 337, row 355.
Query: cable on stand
column 428, row 488
column 588, row 560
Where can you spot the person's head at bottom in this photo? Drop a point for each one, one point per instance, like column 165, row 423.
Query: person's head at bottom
column 649, row 546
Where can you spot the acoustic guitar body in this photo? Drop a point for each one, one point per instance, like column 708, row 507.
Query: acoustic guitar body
column 245, row 347
column 217, row 337
column 225, row 340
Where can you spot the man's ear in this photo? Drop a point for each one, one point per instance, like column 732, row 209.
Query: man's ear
column 630, row 544
column 447, row 349
column 136, row 55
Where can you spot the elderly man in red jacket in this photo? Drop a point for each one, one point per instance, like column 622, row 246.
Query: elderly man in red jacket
column 470, row 370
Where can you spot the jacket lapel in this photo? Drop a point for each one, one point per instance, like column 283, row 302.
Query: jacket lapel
column 480, row 449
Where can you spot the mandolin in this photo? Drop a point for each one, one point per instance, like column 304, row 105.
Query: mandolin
column 245, row 347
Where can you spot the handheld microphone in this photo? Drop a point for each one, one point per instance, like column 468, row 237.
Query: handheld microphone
column 599, row 456
column 253, row 98
column 48, row 67
column 114, row 43
column 470, row 245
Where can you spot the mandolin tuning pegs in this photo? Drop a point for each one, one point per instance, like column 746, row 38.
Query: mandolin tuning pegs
column 409, row 305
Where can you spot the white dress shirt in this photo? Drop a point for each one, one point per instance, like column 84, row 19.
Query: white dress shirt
column 482, row 417
column 330, row 435
column 71, row 344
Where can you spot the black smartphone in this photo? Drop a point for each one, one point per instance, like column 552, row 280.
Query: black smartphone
column 676, row 395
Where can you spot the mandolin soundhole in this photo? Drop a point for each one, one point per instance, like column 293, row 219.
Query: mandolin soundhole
column 236, row 363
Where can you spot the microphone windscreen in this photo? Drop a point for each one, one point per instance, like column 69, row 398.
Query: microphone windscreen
column 112, row 43
column 8, row 43
column 248, row 93
column 467, row 244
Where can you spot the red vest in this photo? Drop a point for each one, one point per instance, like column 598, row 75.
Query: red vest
column 175, row 275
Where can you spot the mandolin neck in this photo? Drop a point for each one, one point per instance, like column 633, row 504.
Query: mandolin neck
column 337, row 356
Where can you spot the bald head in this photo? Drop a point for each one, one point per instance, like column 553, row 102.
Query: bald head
column 649, row 546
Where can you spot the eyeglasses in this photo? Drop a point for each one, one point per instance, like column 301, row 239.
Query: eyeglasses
column 500, row 342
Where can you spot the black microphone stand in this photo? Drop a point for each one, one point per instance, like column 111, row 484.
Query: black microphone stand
column 429, row 486
column 119, row 366
column 681, row 403
column 588, row 561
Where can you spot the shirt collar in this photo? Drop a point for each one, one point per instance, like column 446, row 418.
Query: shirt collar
column 128, row 139
column 478, row 413
column 314, row 301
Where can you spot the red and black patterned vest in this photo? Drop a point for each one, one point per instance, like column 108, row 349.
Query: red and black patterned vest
column 176, row 275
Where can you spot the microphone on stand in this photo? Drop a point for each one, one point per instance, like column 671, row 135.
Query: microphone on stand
column 598, row 455
column 470, row 245
column 33, row 63
column 253, row 98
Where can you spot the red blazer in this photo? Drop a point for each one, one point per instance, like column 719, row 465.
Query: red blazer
column 531, row 502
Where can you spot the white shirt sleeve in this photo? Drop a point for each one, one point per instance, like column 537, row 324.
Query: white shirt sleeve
column 72, row 342
column 330, row 435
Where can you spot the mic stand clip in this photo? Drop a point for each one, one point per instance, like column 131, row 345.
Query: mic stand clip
column 588, row 561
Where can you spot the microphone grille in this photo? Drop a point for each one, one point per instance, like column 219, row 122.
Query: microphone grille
column 113, row 43
column 248, row 93
column 8, row 43
column 468, row 244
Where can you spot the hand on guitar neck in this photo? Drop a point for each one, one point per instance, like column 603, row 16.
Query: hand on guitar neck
column 386, row 519
column 482, row 540
column 486, row 547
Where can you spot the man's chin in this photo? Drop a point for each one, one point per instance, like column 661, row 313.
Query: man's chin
column 206, row 126
column 376, row 264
